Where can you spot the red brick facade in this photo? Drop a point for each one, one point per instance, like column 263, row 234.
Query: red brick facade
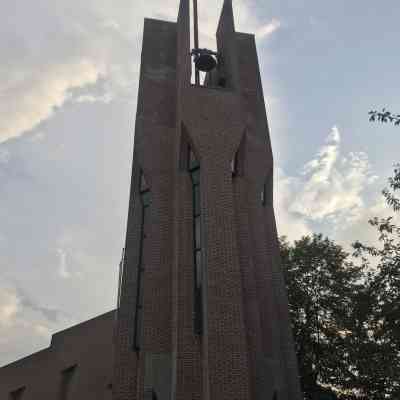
column 245, row 349
column 203, row 311
column 77, row 365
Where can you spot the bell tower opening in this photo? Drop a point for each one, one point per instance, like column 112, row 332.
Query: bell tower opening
column 207, row 65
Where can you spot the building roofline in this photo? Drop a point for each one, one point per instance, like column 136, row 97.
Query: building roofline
column 56, row 335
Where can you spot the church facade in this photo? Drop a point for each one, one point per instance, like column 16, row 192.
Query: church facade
column 203, row 312
column 202, row 307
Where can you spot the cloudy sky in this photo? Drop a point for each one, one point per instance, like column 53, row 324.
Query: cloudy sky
column 68, row 86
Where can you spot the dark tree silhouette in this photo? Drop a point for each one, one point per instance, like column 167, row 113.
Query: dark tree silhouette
column 345, row 317
column 381, row 371
column 346, row 311
column 321, row 284
column 384, row 116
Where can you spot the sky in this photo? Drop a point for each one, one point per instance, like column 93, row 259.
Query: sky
column 68, row 86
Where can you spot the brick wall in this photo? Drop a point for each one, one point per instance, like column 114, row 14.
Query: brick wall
column 87, row 348
column 245, row 350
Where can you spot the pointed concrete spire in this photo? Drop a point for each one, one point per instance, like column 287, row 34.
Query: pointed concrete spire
column 226, row 20
column 183, row 48
column 184, row 10
column 226, row 42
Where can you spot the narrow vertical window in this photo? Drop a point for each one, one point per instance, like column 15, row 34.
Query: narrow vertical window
column 120, row 277
column 145, row 197
column 194, row 170
column 238, row 159
column 109, row 394
column 150, row 394
column 263, row 195
column 267, row 191
column 234, row 165
column 17, row 394
column 67, row 376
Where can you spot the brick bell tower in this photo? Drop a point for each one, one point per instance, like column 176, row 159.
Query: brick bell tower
column 203, row 312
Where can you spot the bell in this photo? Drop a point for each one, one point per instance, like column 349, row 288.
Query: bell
column 205, row 62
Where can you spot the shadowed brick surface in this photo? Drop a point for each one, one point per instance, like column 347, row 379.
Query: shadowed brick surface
column 87, row 346
column 245, row 350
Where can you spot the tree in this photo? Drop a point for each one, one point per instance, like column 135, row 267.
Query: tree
column 384, row 116
column 345, row 317
column 382, row 318
column 321, row 283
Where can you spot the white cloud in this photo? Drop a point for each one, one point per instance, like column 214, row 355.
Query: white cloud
column 327, row 195
column 332, row 185
column 268, row 29
column 9, row 305
column 33, row 99
column 73, row 49
column 79, row 42
column 4, row 156
column 111, row 24
column 19, row 314
column 289, row 224
column 321, row 167
column 360, row 229
column 42, row 330
column 62, row 264
column 38, row 137
column 89, row 98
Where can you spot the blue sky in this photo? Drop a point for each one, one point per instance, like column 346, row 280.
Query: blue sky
column 68, row 86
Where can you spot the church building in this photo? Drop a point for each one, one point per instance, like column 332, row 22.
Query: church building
column 202, row 307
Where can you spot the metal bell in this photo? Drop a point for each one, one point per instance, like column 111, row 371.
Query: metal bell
column 205, row 62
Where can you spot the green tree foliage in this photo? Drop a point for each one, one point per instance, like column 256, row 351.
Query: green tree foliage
column 390, row 193
column 346, row 312
column 382, row 316
column 321, row 284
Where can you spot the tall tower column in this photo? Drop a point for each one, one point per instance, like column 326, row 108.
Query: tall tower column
column 203, row 311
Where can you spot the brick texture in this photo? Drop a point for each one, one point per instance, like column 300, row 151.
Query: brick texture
column 245, row 350
column 88, row 346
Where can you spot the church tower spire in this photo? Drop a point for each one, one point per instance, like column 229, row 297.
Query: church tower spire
column 203, row 310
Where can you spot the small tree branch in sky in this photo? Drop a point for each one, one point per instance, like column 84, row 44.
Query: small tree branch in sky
column 384, row 116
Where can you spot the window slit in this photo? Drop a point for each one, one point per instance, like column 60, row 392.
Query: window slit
column 264, row 195
column 145, row 197
column 267, row 191
column 234, row 165
column 67, row 376
column 194, row 170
